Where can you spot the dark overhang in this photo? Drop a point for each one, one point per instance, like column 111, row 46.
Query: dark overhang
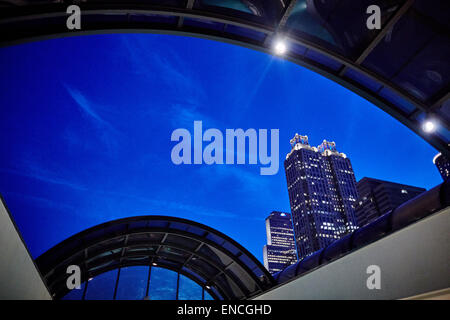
column 224, row 268
column 403, row 68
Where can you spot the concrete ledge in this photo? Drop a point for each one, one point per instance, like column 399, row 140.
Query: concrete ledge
column 19, row 277
column 413, row 261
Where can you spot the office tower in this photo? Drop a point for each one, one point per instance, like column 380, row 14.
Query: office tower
column 377, row 197
column 322, row 192
column 279, row 252
column 443, row 165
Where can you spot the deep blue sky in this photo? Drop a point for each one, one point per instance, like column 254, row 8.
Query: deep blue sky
column 85, row 126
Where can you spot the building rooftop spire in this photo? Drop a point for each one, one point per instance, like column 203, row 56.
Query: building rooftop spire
column 299, row 139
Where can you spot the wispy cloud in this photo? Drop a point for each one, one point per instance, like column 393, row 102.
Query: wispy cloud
column 85, row 105
column 154, row 205
column 168, row 67
column 105, row 131
column 36, row 173
column 245, row 180
column 41, row 201
column 183, row 209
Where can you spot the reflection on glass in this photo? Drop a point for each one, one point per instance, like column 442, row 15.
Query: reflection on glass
column 230, row 4
column 132, row 283
column 163, row 284
column 75, row 294
column 301, row 19
column 102, row 286
column 189, row 290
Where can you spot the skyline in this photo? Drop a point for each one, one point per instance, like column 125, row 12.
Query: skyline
column 73, row 170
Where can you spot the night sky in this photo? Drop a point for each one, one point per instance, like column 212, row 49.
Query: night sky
column 85, row 126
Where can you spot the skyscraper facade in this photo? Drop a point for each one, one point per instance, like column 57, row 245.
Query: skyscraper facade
column 443, row 165
column 279, row 252
column 377, row 197
column 322, row 192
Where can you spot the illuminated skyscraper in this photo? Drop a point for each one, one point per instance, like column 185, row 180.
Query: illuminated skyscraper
column 279, row 252
column 377, row 197
column 443, row 165
column 322, row 193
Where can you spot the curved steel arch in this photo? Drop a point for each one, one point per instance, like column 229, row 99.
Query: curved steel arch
column 339, row 59
column 213, row 260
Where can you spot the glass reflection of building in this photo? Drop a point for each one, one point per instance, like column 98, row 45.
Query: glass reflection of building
column 443, row 165
column 322, row 192
column 377, row 197
column 279, row 252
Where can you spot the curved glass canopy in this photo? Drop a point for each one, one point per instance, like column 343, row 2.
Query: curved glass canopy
column 154, row 257
column 403, row 68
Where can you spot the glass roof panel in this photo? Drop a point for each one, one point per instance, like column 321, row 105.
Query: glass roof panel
column 229, row 286
column 181, row 241
column 406, row 38
column 153, row 18
column 239, row 5
column 444, row 133
column 323, row 59
column 230, row 247
column 429, row 71
column 132, row 283
column 250, row 264
column 179, row 226
column 246, row 32
column 362, row 79
column 194, row 274
column 189, row 290
column 438, row 11
column 196, row 230
column 102, row 286
column 200, row 264
column 163, row 284
column 75, row 294
column 202, row 23
column 215, row 255
column 243, row 276
column 215, row 238
column 304, row 19
column 402, row 104
column 137, row 224
column 444, row 111
column 297, row 48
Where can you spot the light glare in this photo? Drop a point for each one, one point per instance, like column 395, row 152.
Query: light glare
column 280, row 47
column 429, row 126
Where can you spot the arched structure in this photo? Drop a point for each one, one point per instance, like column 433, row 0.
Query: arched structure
column 217, row 263
column 403, row 68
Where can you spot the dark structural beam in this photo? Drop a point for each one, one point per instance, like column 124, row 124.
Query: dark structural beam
column 392, row 21
column 189, row 6
column 281, row 23
column 440, row 101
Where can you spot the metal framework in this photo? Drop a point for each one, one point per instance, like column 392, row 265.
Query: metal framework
column 35, row 20
column 217, row 263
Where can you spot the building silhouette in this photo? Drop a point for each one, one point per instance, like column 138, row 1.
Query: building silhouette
column 377, row 197
column 279, row 252
column 443, row 165
column 322, row 192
